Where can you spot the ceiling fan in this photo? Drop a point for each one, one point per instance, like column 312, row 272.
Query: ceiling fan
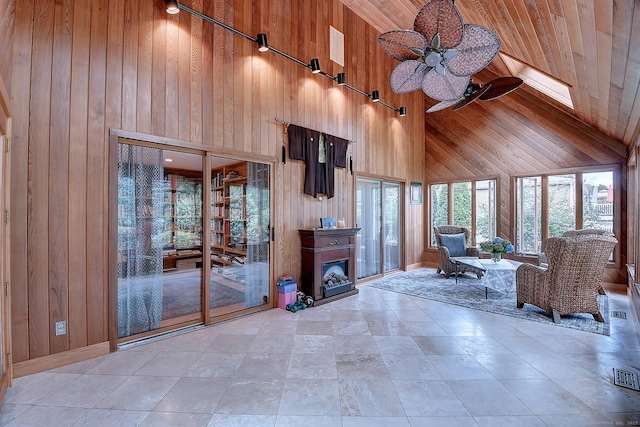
column 439, row 56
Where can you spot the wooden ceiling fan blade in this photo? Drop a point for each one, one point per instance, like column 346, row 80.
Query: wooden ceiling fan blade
column 469, row 99
column 501, row 86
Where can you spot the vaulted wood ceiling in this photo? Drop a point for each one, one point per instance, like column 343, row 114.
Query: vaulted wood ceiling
column 591, row 45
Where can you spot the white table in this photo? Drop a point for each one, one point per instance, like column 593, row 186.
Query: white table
column 499, row 276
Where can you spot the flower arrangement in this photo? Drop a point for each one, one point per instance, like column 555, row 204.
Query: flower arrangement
column 497, row 247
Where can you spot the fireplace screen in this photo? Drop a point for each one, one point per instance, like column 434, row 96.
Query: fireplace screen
column 334, row 278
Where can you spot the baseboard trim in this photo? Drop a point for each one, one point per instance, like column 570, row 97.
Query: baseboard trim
column 417, row 265
column 57, row 360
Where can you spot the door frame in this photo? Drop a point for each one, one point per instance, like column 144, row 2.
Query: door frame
column 6, row 376
column 116, row 136
column 403, row 207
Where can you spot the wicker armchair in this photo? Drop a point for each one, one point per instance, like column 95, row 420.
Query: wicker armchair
column 445, row 265
column 570, row 282
column 542, row 257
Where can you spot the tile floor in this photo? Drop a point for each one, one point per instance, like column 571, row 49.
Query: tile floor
column 374, row 359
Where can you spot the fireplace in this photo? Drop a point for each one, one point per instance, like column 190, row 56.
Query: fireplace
column 328, row 263
column 334, row 278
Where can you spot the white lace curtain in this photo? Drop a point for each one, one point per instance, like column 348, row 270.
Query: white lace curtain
column 141, row 188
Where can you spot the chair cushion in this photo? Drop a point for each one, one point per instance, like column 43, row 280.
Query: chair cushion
column 456, row 243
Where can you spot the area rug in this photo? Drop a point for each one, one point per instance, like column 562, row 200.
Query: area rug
column 468, row 292
column 182, row 294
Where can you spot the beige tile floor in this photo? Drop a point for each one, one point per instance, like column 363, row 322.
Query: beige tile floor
column 374, row 359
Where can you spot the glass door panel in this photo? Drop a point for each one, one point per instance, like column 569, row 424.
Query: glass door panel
column 369, row 219
column 182, row 238
column 240, row 236
column 392, row 226
column 159, row 239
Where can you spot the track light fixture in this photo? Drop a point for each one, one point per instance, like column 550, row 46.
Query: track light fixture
column 402, row 111
column 315, row 66
column 172, row 7
column 261, row 39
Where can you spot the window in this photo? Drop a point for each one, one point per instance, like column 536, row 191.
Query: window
column 597, row 200
column 529, row 214
column 540, row 81
column 562, row 204
column 549, row 205
column 473, row 206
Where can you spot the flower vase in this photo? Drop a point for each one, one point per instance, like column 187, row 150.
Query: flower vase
column 496, row 257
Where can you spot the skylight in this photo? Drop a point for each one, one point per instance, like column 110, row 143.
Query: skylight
column 539, row 80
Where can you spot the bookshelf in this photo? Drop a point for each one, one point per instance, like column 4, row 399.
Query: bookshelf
column 229, row 215
column 182, row 220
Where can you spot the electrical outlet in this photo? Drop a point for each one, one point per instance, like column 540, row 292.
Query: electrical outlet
column 61, row 327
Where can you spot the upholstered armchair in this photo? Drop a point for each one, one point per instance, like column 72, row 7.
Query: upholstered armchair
column 571, row 281
column 452, row 241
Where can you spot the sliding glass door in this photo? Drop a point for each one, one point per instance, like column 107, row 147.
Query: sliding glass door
column 240, row 236
column 159, row 240
column 379, row 216
column 163, row 259
column 392, row 221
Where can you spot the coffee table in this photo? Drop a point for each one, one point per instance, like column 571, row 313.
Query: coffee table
column 470, row 263
column 500, row 276
column 497, row 276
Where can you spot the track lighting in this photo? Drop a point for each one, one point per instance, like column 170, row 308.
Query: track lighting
column 402, row 111
column 261, row 39
column 172, row 6
column 315, row 66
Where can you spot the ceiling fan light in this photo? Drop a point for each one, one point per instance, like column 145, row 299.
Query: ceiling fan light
column 432, row 59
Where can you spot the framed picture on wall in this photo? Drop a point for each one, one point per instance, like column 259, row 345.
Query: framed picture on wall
column 416, row 193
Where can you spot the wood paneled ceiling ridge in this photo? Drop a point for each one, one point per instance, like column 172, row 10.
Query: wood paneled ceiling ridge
column 591, row 45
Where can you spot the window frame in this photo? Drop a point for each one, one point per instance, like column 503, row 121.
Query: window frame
column 616, row 170
column 450, row 206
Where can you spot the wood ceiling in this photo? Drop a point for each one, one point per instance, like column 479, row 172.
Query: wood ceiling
column 591, row 45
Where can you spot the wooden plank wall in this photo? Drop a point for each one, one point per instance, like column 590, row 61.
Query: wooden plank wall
column 516, row 134
column 6, row 51
column 82, row 67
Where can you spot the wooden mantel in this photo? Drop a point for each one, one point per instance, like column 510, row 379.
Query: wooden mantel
column 322, row 247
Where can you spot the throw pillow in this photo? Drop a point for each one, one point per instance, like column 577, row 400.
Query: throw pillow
column 456, row 243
